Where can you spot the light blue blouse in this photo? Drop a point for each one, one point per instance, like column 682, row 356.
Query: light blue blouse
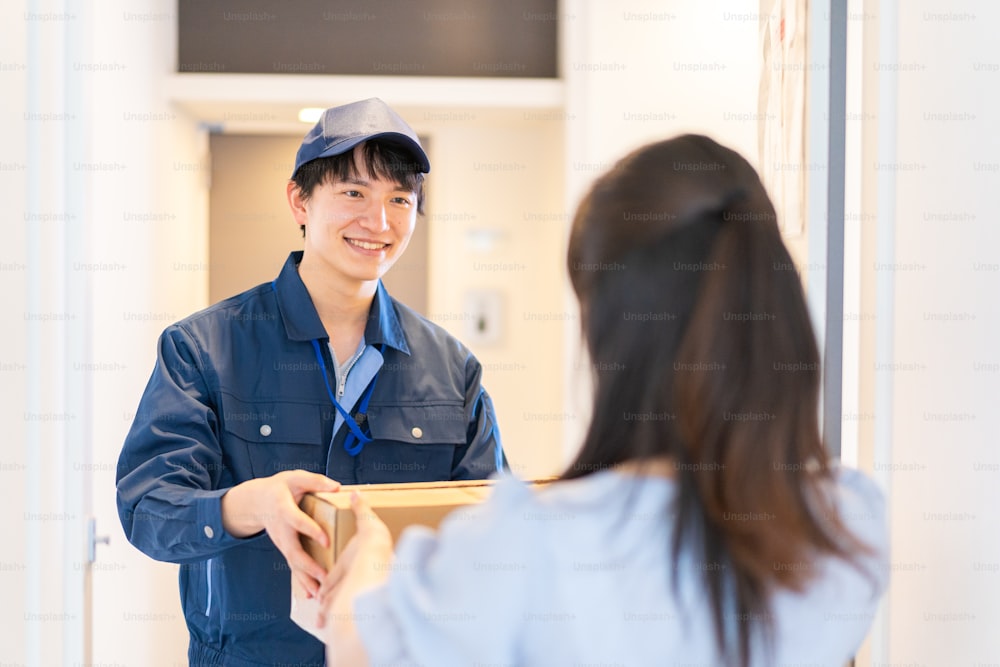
column 578, row 575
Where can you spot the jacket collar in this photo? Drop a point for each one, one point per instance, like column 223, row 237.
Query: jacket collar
column 302, row 321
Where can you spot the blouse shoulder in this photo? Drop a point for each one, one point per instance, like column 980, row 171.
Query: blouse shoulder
column 861, row 505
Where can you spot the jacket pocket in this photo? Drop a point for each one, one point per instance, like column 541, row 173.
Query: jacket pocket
column 411, row 443
column 199, row 599
column 275, row 436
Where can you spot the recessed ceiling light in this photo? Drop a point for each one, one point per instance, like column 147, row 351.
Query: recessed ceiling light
column 310, row 114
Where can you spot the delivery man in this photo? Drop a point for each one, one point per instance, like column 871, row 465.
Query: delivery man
column 312, row 380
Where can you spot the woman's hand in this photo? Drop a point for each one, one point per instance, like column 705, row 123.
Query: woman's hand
column 364, row 563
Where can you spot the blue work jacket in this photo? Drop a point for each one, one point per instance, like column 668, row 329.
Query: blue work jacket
column 237, row 393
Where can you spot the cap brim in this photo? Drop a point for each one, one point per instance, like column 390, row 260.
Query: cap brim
column 391, row 137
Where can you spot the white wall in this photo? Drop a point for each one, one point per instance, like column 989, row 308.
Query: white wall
column 496, row 222
column 102, row 199
column 638, row 71
column 145, row 220
column 14, row 371
column 932, row 270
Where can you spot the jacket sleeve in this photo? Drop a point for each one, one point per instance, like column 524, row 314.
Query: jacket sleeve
column 483, row 454
column 169, row 470
column 459, row 596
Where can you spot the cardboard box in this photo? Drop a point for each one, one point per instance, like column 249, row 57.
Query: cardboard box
column 398, row 505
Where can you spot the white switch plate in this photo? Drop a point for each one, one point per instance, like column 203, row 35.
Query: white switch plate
column 484, row 323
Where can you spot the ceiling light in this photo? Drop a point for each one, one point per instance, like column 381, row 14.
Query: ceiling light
column 310, row 114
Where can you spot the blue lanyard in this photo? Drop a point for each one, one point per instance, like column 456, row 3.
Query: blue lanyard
column 356, row 439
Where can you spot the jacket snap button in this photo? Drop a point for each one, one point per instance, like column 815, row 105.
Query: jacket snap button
column 417, row 432
column 265, row 430
column 209, row 533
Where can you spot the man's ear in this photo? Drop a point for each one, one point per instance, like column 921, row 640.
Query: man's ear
column 297, row 204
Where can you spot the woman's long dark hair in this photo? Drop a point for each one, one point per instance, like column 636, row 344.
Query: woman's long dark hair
column 696, row 323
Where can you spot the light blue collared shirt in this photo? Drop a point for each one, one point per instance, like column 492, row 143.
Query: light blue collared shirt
column 360, row 370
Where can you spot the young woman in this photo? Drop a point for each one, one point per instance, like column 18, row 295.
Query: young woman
column 701, row 522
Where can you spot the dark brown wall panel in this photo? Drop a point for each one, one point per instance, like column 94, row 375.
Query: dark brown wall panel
column 484, row 38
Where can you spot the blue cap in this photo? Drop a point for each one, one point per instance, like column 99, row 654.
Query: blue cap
column 342, row 128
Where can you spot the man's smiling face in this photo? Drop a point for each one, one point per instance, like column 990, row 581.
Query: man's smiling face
column 359, row 226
